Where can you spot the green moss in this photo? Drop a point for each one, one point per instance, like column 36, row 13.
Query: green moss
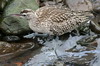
column 14, row 25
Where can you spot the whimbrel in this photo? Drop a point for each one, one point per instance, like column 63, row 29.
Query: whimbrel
column 54, row 20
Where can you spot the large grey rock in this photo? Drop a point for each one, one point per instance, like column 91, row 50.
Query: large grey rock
column 17, row 5
column 79, row 5
column 14, row 25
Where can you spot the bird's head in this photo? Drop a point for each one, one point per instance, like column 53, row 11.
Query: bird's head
column 28, row 14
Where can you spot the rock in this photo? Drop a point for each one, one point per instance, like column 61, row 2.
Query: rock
column 96, row 5
column 58, row 63
column 83, row 5
column 95, row 24
column 10, row 50
column 84, row 28
column 79, row 5
column 3, row 4
column 11, row 38
column 17, row 5
column 87, row 40
column 14, row 25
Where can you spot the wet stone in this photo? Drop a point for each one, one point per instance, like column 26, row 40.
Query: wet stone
column 10, row 50
column 87, row 40
column 81, row 61
column 11, row 38
column 14, row 25
column 95, row 24
column 84, row 29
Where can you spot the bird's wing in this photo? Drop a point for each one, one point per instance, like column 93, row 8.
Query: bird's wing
column 66, row 22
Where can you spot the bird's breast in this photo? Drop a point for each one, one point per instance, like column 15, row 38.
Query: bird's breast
column 42, row 27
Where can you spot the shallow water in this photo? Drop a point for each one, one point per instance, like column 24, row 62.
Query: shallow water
column 48, row 55
column 58, row 49
column 96, row 60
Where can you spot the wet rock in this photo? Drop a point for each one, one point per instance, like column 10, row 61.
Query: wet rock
column 10, row 50
column 96, row 5
column 79, row 5
column 84, row 29
column 95, row 24
column 77, row 48
column 3, row 4
column 94, row 27
column 11, row 38
column 75, row 61
column 14, row 25
column 84, row 61
column 17, row 5
column 58, row 63
column 88, row 40
column 81, row 56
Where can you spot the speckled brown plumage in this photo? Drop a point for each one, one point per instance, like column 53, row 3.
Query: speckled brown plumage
column 54, row 20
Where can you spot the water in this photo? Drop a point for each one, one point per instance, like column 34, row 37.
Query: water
column 58, row 49
column 48, row 55
column 96, row 61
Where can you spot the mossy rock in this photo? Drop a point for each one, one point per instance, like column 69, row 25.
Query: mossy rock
column 17, row 5
column 14, row 25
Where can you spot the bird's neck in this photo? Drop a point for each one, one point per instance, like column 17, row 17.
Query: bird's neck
column 34, row 22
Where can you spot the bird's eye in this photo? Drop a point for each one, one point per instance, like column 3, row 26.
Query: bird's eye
column 24, row 14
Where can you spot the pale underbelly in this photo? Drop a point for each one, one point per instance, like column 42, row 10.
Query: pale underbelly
column 42, row 30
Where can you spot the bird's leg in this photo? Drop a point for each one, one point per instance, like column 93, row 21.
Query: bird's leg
column 56, row 54
column 77, row 31
column 89, row 28
column 56, row 38
column 34, row 35
column 41, row 35
column 29, row 35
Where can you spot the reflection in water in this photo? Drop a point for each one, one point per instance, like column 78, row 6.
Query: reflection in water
column 48, row 56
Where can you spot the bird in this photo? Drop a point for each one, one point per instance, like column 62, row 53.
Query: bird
column 54, row 20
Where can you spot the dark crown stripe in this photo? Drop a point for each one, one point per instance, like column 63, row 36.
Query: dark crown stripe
column 25, row 11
